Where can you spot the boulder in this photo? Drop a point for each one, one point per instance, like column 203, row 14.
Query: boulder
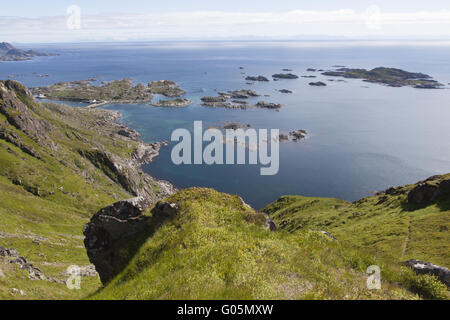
column 442, row 273
column 269, row 224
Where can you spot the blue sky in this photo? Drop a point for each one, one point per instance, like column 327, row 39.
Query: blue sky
column 53, row 8
column 47, row 21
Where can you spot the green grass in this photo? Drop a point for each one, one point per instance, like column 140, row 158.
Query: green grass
column 44, row 203
column 216, row 248
column 385, row 228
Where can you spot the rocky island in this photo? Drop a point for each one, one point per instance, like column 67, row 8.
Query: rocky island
column 167, row 88
column 388, row 76
column 221, row 101
column 296, row 136
column 258, row 78
column 176, row 103
column 118, row 91
column 318, row 84
column 285, row 76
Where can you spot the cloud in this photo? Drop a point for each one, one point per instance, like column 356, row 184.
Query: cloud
column 209, row 24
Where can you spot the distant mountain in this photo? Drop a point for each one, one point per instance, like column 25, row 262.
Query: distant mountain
column 5, row 47
column 10, row 53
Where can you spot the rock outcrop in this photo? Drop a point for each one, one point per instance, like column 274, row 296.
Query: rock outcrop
column 12, row 97
column 113, row 234
column 442, row 273
column 34, row 273
column 429, row 191
column 110, row 231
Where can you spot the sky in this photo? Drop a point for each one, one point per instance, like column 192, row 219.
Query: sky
column 112, row 20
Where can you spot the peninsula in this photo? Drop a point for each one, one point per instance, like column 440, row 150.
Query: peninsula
column 10, row 53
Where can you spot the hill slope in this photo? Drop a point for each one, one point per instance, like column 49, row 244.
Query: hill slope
column 59, row 165
column 213, row 246
column 399, row 224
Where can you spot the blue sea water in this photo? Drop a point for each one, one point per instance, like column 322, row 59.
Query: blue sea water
column 362, row 137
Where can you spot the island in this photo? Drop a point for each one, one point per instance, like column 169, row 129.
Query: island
column 285, row 91
column 167, row 88
column 258, row 78
column 318, row 84
column 118, row 91
column 231, row 126
column 10, row 53
column 296, row 136
column 285, row 76
column 391, row 77
column 176, row 103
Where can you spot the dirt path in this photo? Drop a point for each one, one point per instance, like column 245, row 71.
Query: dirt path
column 405, row 243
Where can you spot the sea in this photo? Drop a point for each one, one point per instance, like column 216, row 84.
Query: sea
column 362, row 137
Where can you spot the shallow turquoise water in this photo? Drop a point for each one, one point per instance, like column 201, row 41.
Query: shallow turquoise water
column 362, row 137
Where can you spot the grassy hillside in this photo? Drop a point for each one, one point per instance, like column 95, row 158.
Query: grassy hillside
column 49, row 191
column 215, row 247
column 384, row 225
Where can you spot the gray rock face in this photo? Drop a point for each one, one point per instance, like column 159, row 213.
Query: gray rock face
column 442, row 273
column 427, row 193
column 111, row 232
column 18, row 115
column 270, row 225
column 127, row 173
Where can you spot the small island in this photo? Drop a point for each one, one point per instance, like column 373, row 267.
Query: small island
column 231, row 126
column 176, row 103
column 258, row 78
column 285, row 76
column 167, row 88
column 318, row 84
column 285, row 91
column 391, row 77
column 296, row 136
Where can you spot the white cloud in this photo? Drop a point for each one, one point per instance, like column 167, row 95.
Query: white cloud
column 209, row 24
